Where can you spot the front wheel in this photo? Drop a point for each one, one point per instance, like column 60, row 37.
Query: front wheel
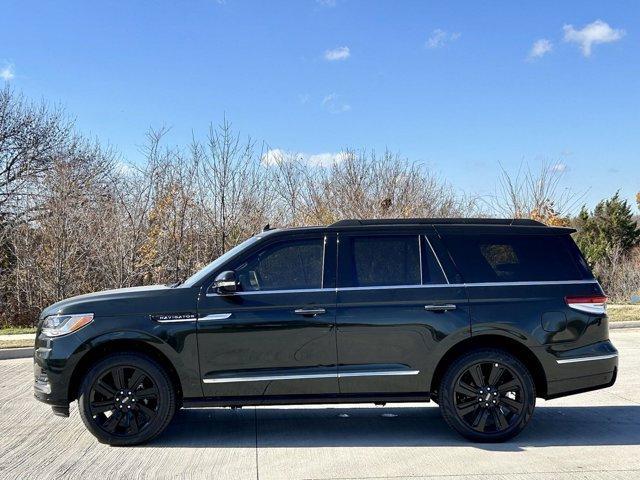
column 487, row 396
column 126, row 399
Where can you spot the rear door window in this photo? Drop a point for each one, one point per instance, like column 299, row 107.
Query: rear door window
column 516, row 258
column 387, row 260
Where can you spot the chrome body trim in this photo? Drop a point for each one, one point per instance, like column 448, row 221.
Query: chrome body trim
column 593, row 308
column 310, row 376
column 215, row 316
column 440, row 308
column 268, row 378
column 586, row 359
column 378, row 373
column 179, row 320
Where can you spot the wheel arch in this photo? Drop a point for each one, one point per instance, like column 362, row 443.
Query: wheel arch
column 103, row 347
column 508, row 344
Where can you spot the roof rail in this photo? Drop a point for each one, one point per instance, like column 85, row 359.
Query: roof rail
column 439, row 221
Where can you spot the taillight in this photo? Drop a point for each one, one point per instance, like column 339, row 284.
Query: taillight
column 595, row 304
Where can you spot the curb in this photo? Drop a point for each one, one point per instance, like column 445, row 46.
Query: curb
column 10, row 353
column 626, row 324
column 27, row 352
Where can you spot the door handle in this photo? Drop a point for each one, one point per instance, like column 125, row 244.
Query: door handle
column 310, row 311
column 440, row 308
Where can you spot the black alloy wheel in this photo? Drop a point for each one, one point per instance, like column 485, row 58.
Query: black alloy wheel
column 126, row 399
column 487, row 395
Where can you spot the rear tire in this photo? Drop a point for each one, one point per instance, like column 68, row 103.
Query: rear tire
column 126, row 399
column 487, row 395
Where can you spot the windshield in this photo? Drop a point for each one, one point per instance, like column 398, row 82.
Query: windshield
column 206, row 271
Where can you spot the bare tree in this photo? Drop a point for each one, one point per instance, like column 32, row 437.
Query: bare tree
column 536, row 194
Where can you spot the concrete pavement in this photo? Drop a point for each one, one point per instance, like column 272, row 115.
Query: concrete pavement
column 595, row 435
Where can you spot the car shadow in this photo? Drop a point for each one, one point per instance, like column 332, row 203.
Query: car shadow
column 390, row 426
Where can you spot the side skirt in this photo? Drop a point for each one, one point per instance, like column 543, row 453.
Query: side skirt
column 303, row 400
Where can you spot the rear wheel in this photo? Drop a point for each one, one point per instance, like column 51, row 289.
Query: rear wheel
column 487, row 396
column 126, row 399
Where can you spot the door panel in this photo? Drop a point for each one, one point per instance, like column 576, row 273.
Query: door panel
column 279, row 341
column 264, row 348
column 387, row 334
column 389, row 329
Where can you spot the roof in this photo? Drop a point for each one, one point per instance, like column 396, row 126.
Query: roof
column 440, row 221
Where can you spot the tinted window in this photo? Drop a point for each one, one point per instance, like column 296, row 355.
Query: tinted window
column 515, row 258
column 385, row 260
column 431, row 270
column 283, row 266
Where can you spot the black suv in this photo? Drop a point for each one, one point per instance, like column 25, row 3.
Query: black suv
column 481, row 316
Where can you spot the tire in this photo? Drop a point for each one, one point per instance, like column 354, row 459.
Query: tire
column 126, row 399
column 487, row 395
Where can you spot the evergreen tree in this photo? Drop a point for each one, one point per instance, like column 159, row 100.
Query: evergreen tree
column 610, row 225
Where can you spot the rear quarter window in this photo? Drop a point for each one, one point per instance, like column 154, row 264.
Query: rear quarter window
column 516, row 258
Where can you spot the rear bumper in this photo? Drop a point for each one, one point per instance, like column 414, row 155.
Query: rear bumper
column 581, row 369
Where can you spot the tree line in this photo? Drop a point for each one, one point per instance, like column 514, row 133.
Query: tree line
column 76, row 218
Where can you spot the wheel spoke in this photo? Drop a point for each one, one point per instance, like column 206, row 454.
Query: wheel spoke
column 118, row 377
column 465, row 389
column 480, row 420
column 509, row 386
column 477, row 375
column 499, row 419
column 495, row 374
column 104, row 389
column 101, row 407
column 147, row 411
column 113, row 421
column 467, row 407
column 133, row 427
column 512, row 404
column 136, row 379
column 147, row 393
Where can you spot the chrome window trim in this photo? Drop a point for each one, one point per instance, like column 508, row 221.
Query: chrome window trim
column 255, row 292
column 420, row 259
column 311, row 376
column 586, row 359
column 537, row 282
column 437, row 259
column 426, row 285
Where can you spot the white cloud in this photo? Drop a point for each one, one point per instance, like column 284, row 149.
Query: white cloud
column 274, row 156
column 540, row 48
column 333, row 104
column 326, row 159
column 339, row 53
column 592, row 34
column 304, row 98
column 559, row 167
column 277, row 156
column 440, row 37
column 7, row 72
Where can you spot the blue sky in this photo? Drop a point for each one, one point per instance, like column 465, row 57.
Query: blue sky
column 457, row 86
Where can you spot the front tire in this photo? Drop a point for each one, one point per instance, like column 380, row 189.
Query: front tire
column 126, row 399
column 487, row 395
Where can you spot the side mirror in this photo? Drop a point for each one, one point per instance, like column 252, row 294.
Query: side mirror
column 226, row 282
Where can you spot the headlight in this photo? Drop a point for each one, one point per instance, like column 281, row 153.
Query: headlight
column 57, row 325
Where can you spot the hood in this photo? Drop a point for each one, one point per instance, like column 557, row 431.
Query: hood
column 107, row 302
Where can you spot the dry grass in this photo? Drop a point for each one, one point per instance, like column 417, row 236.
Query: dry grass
column 623, row 313
column 617, row 313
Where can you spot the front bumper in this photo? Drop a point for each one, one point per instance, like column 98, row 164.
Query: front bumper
column 53, row 363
